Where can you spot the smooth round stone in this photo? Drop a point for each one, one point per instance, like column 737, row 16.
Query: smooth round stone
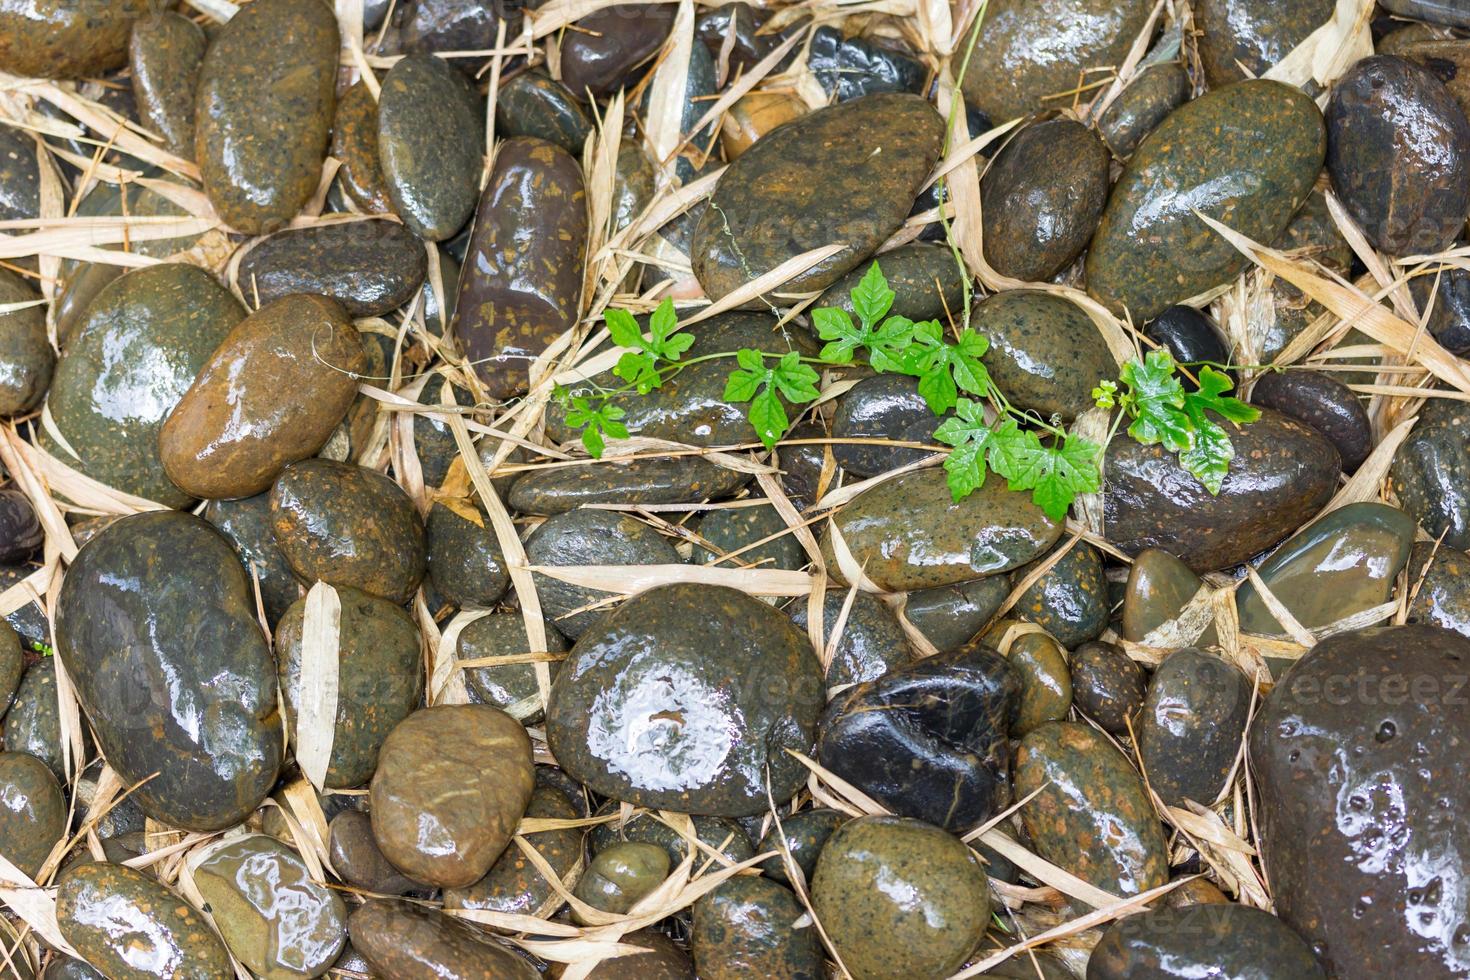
column 511, row 688
column 753, row 927
column 872, row 641
column 379, row 679
column 271, row 394
column 1203, row 940
column 599, row 54
column 654, row 480
column 357, row 859
column 802, row 836
column 1150, row 250
column 433, row 440
column 908, row 533
column 513, row 302
column 29, row 620
column 1042, row 197
column 741, row 24
column 1436, row 49
column 33, row 723
column 150, row 661
column 247, row 523
column 513, row 884
column 33, row 813
column 930, row 740
column 12, row 665
column 26, row 357
column 430, row 144
column 1431, row 471
column 1154, row 93
column 136, row 352
column 1399, row 155
column 1196, row 891
column 802, row 464
column 130, row 927
column 348, row 525
column 1443, row 598
column 1314, row 235
column 272, row 915
column 1070, row 600
column 1341, row 564
column 20, row 175
column 165, row 52
column 1159, row 587
column 621, row 876
column 1191, row 337
column 1282, row 474
column 534, row 104
column 1092, row 815
column 414, row 943
column 731, row 530
column 465, row 562
column 685, row 698
column 1191, row 725
column 884, row 406
column 263, row 111
column 663, row 959
column 784, row 195
column 898, row 897
column 923, row 276
column 1107, row 685
column 753, row 116
column 1452, row 12
column 1360, row 782
column 1040, row 663
column 633, row 186
column 65, row 968
column 1030, row 55
column 589, row 537
column 454, row 25
column 452, row 784
column 370, row 267
column 18, row 960
column 1045, row 353
column 720, row 834
column 65, row 39
column 949, row 615
column 355, row 143
column 1246, row 38
column 850, row 68
column 1449, row 316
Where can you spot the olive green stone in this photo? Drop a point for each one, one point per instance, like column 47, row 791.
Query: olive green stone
column 1443, row 596
column 164, row 53
column 656, row 480
column 64, row 968
column 33, row 723
column 1032, row 54
column 686, row 698
column 465, row 562
column 130, row 927
column 511, row 688
column 1092, row 815
column 589, row 537
column 513, row 884
column 26, row 358
column 1070, row 600
column 908, row 533
column 12, row 665
column 1341, row 564
column 137, row 350
column 33, row 813
column 379, row 679
column 620, row 876
column 370, row 267
column 533, row 104
column 730, row 531
column 247, row 523
column 752, row 927
column 348, row 525
column 1042, row 197
column 1045, row 352
column 925, row 280
column 1431, row 470
column 1203, row 940
column 721, row 835
column 430, row 144
column 856, row 167
column 1046, row 681
column 876, row 412
column 802, row 835
column 407, row 942
column 949, row 615
column 1246, row 38
column 1107, row 685
column 355, row 143
column 898, row 897
column 1149, row 98
column 20, row 174
column 1159, row 587
column 872, row 641
column 263, row 111
column 357, row 859
column 1191, row 726
column 1151, row 250
column 272, row 915
column 65, row 39
column 149, row 661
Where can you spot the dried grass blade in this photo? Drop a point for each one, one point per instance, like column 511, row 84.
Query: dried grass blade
column 316, row 698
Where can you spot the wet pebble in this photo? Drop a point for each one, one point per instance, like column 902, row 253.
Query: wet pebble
column 33, row 723
column 851, row 67
column 1159, row 587
column 1190, row 336
column 1045, row 353
column 534, row 104
column 621, row 876
column 1107, row 685
column 802, row 836
column 1191, row 725
column 1202, row 940
column 430, row 143
column 513, row 884
column 1070, row 599
column 737, row 528
column 600, row 54
column 408, row 942
column 247, row 523
column 165, row 52
column 949, row 615
column 465, row 562
column 1040, row 663
column 872, row 642
column 1246, row 38
column 370, row 267
column 512, row 688
column 358, row 860
column 1154, row 93
column 1443, row 596
column 882, row 407
column 355, row 143
column 754, row 927
column 26, row 357
column 61, row 39
column 33, row 811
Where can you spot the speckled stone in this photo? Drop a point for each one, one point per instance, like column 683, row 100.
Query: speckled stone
column 599, row 54
column 684, row 698
column 12, row 665
column 1255, row 34
column 270, row 394
column 247, row 523
column 1399, row 155
column 899, row 897
column 851, row 67
column 749, row 927
column 949, row 615
column 132, row 928
column 408, row 942
column 731, row 530
column 28, row 620
column 514, row 301
column 1070, row 600
column 1312, row 236
column 722, row 835
column 165, row 52
column 430, row 144
column 664, row 959
column 1107, row 685
column 465, row 562
column 741, row 23
column 65, row 968
column 534, row 104
column 1431, row 471
column 272, row 915
column 1092, row 816
column 1030, row 55
column 1045, row 353
column 1443, row 597
column 884, row 406
column 370, row 267
column 1150, row 250
column 700, row 87
column 513, row 884
column 1159, row 586
column 912, row 272
column 633, row 186
column 931, row 740
column 620, row 877
column 348, row 525
column 1449, row 313
column 1282, row 474
column 795, row 189
column 510, row 688
column 33, row 812
column 872, row 643
column 357, row 859
column 654, row 480
column 65, row 39
column 1359, row 785
column 355, row 143
column 1042, row 196
column 908, row 533
column 33, row 723
column 147, row 656
column 26, row 357
column 802, row 835
column 1040, row 663
column 20, row 175
column 1203, row 940
column 1452, row 12
column 1154, row 93
column 1190, row 729
column 263, row 111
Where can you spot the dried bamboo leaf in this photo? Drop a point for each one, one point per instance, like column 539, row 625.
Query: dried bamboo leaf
column 316, row 694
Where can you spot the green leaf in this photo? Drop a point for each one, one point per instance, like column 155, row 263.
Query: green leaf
column 936, row 386
column 1056, row 474
column 797, row 381
column 663, row 321
column 964, row 362
column 1212, row 385
column 592, row 440
column 1010, row 447
column 742, row 385
column 1155, row 399
column 1209, row 458
column 768, row 417
column 639, row 369
column 676, row 345
column 623, row 328
column 871, row 297
column 964, row 470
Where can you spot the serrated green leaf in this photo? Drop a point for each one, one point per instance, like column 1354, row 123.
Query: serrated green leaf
column 937, row 388
column 964, row 470
column 614, row 428
column 742, row 385
column 871, row 297
column 1212, row 385
column 750, row 359
column 639, row 369
column 671, row 348
column 1010, row 445
column 592, row 441
column 1209, row 458
column 663, row 320
column 797, row 381
column 623, row 328
column 768, row 417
